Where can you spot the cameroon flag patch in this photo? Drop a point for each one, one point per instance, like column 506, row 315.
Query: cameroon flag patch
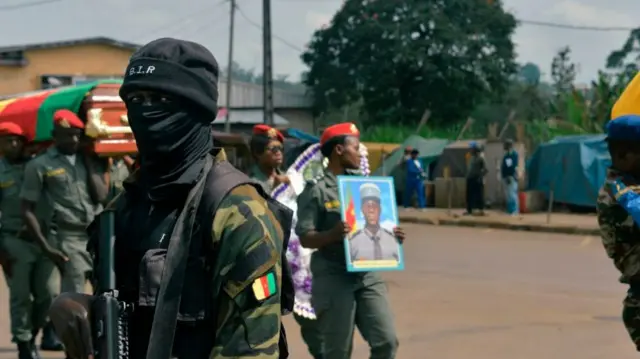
column 265, row 286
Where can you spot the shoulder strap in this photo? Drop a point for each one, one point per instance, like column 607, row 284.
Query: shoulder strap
column 168, row 301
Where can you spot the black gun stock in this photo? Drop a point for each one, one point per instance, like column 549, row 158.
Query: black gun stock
column 110, row 317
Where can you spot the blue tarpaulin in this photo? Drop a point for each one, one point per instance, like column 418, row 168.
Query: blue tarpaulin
column 575, row 166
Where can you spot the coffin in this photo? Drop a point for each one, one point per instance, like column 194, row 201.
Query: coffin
column 97, row 104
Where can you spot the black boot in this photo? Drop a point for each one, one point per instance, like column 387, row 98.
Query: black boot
column 26, row 350
column 50, row 340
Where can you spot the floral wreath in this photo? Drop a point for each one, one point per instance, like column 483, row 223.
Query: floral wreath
column 309, row 165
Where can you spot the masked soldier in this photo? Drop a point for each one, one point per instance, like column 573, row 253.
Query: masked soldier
column 337, row 293
column 187, row 205
column 31, row 276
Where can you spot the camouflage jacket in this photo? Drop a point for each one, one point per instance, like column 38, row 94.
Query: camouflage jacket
column 248, row 270
column 620, row 234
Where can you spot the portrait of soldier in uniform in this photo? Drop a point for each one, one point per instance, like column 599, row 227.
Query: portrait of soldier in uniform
column 372, row 242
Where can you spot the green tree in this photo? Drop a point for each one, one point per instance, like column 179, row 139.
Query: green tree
column 530, row 74
column 563, row 71
column 401, row 57
column 238, row 73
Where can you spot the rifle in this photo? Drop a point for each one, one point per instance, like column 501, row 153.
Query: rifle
column 110, row 320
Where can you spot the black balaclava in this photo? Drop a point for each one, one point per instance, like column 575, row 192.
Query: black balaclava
column 173, row 139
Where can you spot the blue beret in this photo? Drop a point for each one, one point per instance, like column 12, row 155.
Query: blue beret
column 473, row 144
column 624, row 128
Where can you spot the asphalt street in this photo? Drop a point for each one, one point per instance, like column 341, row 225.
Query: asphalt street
column 489, row 294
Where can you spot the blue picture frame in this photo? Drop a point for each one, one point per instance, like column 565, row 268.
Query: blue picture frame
column 360, row 250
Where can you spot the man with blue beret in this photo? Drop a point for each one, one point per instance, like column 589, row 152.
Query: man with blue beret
column 618, row 202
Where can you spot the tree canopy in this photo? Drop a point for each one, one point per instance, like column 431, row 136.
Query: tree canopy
column 400, row 57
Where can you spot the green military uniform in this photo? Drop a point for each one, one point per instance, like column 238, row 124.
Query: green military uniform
column 34, row 281
column 342, row 299
column 267, row 183
column 308, row 327
column 65, row 185
column 119, row 172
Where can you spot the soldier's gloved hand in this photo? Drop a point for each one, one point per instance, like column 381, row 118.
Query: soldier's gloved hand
column 69, row 314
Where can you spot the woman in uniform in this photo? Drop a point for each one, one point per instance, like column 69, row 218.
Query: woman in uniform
column 267, row 149
column 342, row 300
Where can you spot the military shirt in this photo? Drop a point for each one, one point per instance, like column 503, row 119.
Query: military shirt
column 63, row 184
column 620, row 235
column 319, row 210
column 119, row 172
column 11, row 178
column 267, row 183
column 366, row 245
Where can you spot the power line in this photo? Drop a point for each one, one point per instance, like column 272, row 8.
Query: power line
column 179, row 23
column 258, row 26
column 574, row 27
column 30, row 4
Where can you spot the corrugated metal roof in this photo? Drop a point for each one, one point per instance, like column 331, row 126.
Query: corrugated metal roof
column 250, row 117
column 98, row 40
column 247, row 95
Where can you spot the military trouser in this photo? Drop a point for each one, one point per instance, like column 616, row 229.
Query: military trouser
column 631, row 315
column 343, row 301
column 73, row 243
column 311, row 335
column 32, row 286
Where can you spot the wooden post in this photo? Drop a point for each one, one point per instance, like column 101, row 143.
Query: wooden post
column 423, row 121
column 512, row 115
column 550, row 206
column 449, row 182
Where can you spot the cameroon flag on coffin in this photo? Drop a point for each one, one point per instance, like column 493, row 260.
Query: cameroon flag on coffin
column 34, row 112
column 350, row 214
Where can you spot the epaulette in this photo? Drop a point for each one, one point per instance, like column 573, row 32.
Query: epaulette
column 388, row 231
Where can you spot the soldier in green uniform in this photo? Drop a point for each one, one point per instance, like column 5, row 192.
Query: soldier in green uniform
column 336, row 293
column 618, row 203
column 373, row 242
column 75, row 187
column 31, row 276
column 230, row 306
column 267, row 149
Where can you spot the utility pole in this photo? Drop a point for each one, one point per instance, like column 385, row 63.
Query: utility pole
column 232, row 16
column 267, row 71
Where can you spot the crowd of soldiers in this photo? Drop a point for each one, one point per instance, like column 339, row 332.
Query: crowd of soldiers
column 235, row 278
column 46, row 202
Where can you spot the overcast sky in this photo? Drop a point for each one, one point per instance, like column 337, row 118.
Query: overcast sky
column 207, row 22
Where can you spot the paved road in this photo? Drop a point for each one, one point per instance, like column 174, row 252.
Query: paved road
column 488, row 294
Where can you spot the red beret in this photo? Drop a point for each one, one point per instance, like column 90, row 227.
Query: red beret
column 268, row 131
column 67, row 119
column 341, row 129
column 10, row 128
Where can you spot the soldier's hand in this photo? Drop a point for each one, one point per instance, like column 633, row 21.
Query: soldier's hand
column 58, row 258
column 399, row 233
column 342, row 229
column 6, row 262
column 69, row 315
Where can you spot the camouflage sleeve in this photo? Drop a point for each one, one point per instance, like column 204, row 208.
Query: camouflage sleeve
column 33, row 181
column 308, row 210
column 619, row 235
column 250, row 246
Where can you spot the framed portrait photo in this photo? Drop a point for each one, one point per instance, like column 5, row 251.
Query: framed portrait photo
column 368, row 204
